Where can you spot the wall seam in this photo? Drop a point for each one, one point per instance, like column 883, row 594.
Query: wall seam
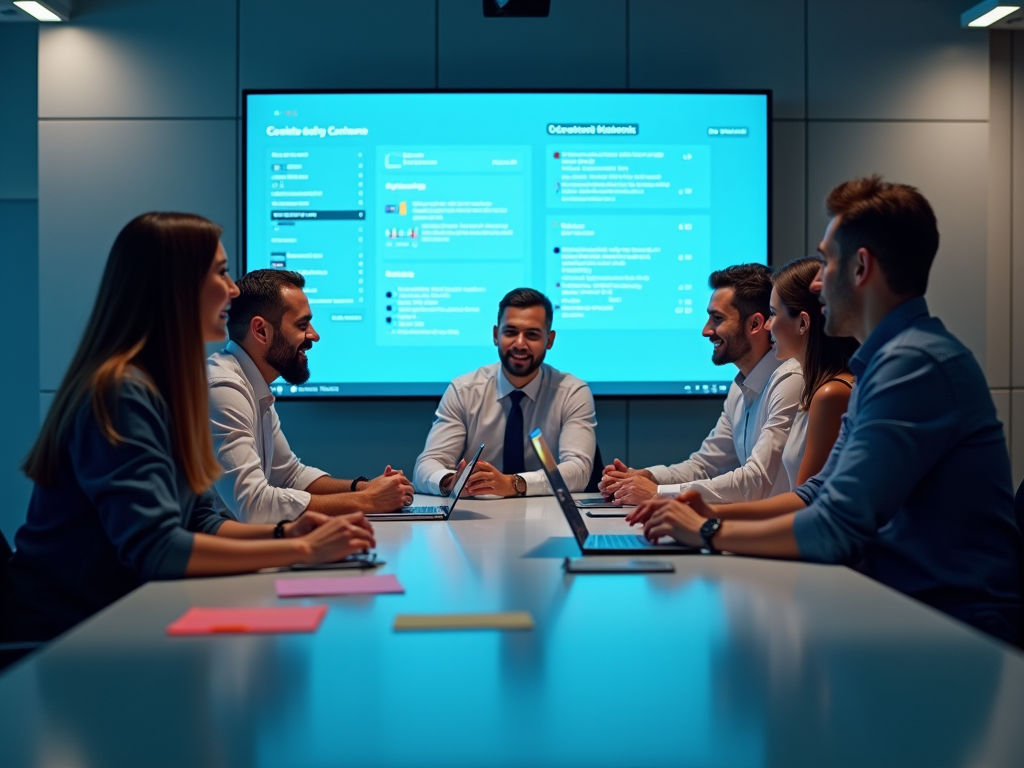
column 807, row 123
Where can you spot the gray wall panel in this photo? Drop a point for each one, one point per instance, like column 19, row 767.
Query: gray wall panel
column 789, row 177
column 19, row 376
column 1017, row 213
column 95, row 176
column 998, row 315
column 948, row 163
column 581, row 45
column 668, row 431
column 906, row 60
column 140, row 58
column 334, row 44
column 613, row 429
column 18, row 96
column 687, row 45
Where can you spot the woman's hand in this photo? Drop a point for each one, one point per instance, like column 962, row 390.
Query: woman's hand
column 676, row 519
column 336, row 538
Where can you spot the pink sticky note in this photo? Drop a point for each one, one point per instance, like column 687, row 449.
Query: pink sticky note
column 339, row 585
column 209, row 621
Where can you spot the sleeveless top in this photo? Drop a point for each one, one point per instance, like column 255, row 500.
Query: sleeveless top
column 793, row 453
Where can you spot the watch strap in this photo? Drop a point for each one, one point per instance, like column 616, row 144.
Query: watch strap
column 708, row 531
column 279, row 529
column 357, row 481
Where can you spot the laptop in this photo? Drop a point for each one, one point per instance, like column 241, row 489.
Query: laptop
column 441, row 512
column 597, row 543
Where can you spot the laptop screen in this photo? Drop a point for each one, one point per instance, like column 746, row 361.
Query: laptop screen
column 461, row 482
column 550, row 466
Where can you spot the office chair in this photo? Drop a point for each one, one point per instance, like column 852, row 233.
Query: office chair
column 1018, row 512
column 10, row 652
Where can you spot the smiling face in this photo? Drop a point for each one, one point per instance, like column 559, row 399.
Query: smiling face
column 789, row 332
column 724, row 329
column 522, row 338
column 292, row 337
column 215, row 298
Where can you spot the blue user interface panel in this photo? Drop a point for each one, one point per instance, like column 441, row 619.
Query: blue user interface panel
column 411, row 215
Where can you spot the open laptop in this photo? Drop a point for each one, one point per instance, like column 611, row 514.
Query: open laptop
column 598, row 543
column 441, row 512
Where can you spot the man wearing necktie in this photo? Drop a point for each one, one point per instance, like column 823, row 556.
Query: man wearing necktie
column 500, row 404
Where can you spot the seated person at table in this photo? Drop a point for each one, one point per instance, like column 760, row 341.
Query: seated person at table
column 124, row 462
column 798, row 330
column 271, row 328
column 742, row 457
column 916, row 492
column 500, row 404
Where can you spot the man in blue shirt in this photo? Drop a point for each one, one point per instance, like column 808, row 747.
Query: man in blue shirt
column 916, row 492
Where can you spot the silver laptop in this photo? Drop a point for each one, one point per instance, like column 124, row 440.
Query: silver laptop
column 440, row 512
column 595, row 544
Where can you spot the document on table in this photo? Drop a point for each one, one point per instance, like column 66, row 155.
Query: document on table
column 339, row 585
column 212, row 621
column 515, row 620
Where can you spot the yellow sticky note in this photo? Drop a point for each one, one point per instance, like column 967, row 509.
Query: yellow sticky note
column 403, row 208
column 407, row 622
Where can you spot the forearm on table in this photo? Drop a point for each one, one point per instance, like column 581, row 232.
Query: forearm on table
column 230, row 529
column 327, row 484
column 765, row 509
column 220, row 555
column 765, row 538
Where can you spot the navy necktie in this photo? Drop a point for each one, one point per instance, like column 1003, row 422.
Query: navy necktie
column 514, row 461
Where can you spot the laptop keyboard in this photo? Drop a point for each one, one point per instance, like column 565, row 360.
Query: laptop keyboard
column 616, row 541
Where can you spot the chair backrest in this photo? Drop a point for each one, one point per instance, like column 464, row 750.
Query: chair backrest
column 595, row 473
column 1018, row 512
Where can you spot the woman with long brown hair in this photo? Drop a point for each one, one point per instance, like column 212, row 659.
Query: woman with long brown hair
column 798, row 329
column 124, row 462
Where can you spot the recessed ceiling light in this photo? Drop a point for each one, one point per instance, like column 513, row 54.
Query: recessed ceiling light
column 38, row 10
column 987, row 13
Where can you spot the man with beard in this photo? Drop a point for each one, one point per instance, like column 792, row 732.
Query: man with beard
column 271, row 328
column 500, row 404
column 916, row 492
column 741, row 460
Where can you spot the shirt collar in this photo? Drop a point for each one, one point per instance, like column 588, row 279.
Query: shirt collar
column 252, row 373
column 531, row 390
column 897, row 321
column 753, row 384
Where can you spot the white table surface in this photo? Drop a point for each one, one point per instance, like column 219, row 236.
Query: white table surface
column 729, row 661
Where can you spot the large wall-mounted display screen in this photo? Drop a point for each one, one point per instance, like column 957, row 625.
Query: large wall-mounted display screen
column 411, row 214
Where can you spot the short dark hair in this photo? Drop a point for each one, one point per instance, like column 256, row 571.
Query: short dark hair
column 894, row 222
column 526, row 297
column 259, row 295
column 751, row 285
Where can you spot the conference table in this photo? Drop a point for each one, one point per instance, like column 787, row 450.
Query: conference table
column 729, row 661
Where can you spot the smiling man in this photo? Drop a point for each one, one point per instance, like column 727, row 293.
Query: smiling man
column 741, row 460
column 500, row 404
column 271, row 330
column 916, row 492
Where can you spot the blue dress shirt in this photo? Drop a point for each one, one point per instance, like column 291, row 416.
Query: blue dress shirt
column 118, row 516
column 916, row 492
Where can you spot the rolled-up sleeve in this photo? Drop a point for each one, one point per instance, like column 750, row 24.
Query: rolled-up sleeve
column 445, row 446
column 577, row 444
column 133, row 486
column 244, row 488
column 903, row 424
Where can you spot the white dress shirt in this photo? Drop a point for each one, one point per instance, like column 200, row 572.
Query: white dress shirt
column 263, row 480
column 741, row 460
column 793, row 453
column 474, row 410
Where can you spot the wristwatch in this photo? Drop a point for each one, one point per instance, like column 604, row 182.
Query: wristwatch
column 357, row 481
column 519, row 485
column 708, row 531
